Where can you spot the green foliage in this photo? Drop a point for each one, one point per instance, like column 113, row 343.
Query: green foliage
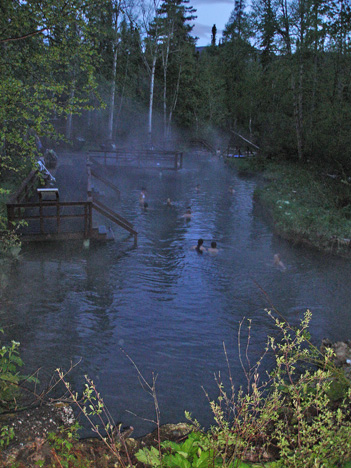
column 10, row 377
column 46, row 54
column 289, row 420
column 62, row 444
column 194, row 452
column 92, row 406
column 6, row 435
column 292, row 413
column 308, row 205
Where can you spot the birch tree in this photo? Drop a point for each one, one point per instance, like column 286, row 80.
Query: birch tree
column 175, row 34
column 151, row 26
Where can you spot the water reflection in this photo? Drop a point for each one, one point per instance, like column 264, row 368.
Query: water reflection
column 169, row 308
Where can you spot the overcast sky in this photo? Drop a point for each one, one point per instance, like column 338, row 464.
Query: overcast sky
column 210, row 12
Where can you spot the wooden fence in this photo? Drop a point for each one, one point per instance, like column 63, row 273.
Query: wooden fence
column 156, row 159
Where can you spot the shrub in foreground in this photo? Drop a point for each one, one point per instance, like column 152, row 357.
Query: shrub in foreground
column 289, row 420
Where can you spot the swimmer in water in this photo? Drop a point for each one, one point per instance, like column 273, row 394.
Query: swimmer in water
column 231, row 189
column 278, row 263
column 213, row 249
column 187, row 215
column 169, row 203
column 142, row 196
column 145, row 206
column 197, row 188
column 199, row 247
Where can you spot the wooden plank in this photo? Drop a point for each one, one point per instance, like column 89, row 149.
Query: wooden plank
column 55, row 236
column 72, row 216
column 47, row 203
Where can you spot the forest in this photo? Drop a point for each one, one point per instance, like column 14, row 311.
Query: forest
column 129, row 71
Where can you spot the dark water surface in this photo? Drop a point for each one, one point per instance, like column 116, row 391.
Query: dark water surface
column 169, row 308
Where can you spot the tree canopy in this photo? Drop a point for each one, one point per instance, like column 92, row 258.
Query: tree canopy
column 122, row 70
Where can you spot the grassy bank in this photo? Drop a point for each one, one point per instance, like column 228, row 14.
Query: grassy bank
column 306, row 203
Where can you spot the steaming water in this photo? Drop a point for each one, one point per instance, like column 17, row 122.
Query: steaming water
column 169, row 308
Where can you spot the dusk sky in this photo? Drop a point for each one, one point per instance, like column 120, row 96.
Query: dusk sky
column 210, row 12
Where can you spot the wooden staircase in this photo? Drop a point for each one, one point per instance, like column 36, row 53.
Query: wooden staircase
column 114, row 217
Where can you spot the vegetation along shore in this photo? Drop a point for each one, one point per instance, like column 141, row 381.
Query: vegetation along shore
column 296, row 415
column 307, row 204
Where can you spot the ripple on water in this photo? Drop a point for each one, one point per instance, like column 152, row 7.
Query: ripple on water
column 169, row 308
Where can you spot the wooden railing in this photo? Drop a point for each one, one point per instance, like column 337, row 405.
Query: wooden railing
column 19, row 211
column 106, row 182
column 204, row 143
column 115, row 218
column 103, row 209
column 139, row 158
column 26, row 188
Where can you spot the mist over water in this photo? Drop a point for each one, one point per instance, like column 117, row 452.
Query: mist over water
column 168, row 307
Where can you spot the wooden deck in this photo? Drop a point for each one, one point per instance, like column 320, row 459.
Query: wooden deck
column 39, row 214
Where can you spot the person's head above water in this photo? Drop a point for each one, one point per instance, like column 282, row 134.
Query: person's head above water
column 199, row 247
column 213, row 245
column 146, row 205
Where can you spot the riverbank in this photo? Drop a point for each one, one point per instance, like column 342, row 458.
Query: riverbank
column 306, row 204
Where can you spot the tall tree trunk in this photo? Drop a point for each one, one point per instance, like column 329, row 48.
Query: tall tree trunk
column 298, row 114
column 69, row 123
column 112, row 94
column 165, row 56
column 164, row 102
column 175, row 99
column 151, row 97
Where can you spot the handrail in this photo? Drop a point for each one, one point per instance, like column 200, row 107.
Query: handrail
column 105, row 181
column 115, row 219
column 46, row 203
column 112, row 213
column 204, row 143
column 140, row 156
column 23, row 189
column 137, row 152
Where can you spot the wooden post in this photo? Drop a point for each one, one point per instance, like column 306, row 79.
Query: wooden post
column 58, row 212
column 89, row 186
column 41, row 214
column 90, row 224
column 86, row 220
